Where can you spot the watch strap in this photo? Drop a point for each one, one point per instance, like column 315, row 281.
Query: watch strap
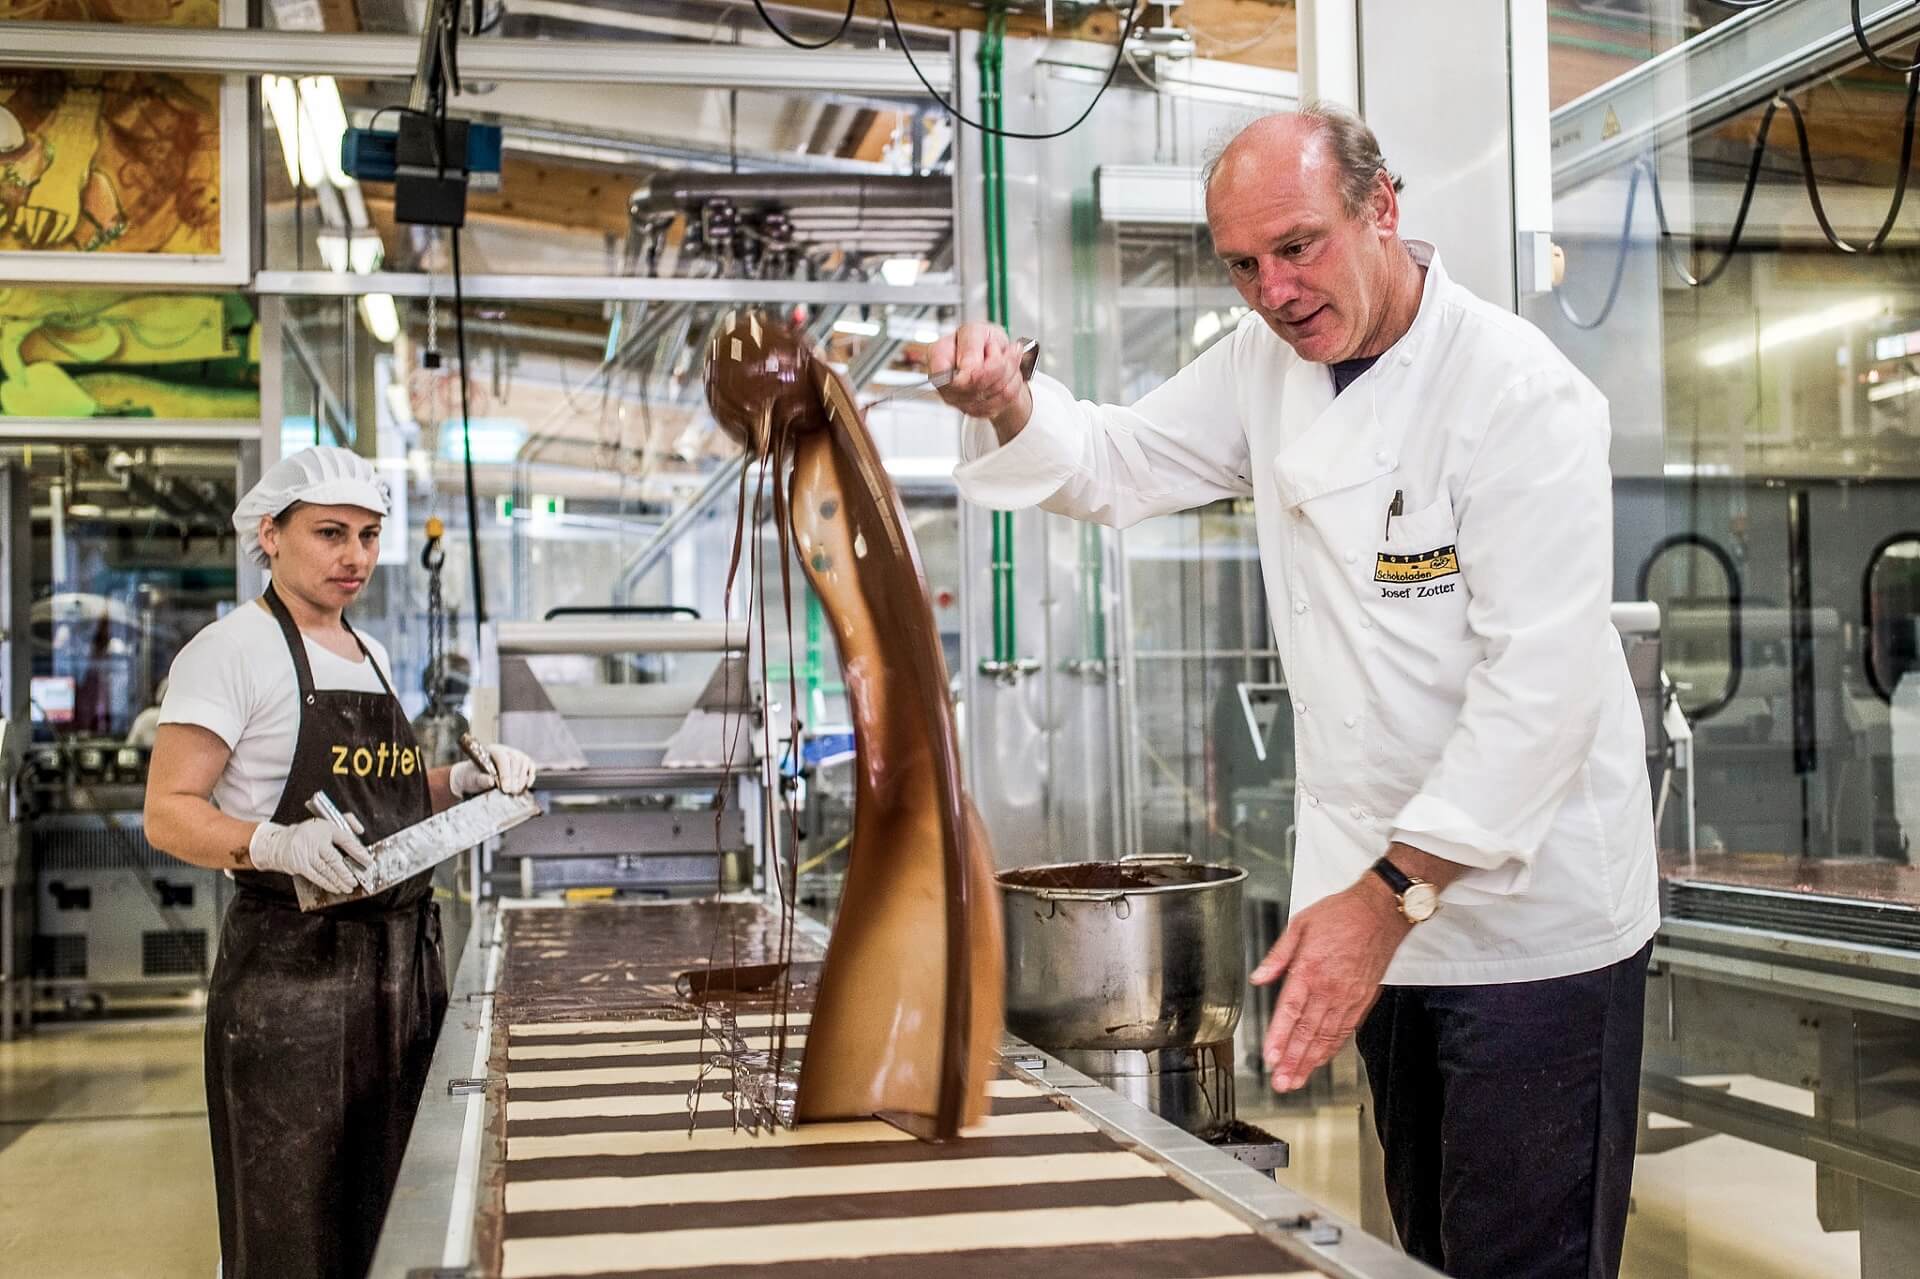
column 1398, row 880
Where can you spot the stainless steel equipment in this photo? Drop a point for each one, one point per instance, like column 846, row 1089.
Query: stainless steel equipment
column 1131, row 971
column 649, row 788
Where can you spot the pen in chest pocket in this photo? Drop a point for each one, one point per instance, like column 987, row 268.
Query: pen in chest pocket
column 1395, row 507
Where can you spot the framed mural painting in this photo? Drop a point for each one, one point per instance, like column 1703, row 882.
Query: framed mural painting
column 124, row 177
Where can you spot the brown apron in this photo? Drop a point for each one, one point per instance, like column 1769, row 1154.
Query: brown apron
column 320, row 1026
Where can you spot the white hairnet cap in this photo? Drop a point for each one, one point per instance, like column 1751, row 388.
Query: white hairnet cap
column 319, row 476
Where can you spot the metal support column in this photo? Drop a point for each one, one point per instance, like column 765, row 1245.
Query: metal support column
column 16, row 644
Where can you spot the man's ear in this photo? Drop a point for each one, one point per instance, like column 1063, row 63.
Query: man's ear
column 269, row 536
column 1384, row 205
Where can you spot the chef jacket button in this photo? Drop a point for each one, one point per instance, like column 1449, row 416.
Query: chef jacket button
column 1359, row 813
column 1299, row 606
column 1299, row 708
column 1406, row 357
column 1351, row 720
column 1381, row 457
column 1366, row 623
column 1353, row 557
column 1313, row 801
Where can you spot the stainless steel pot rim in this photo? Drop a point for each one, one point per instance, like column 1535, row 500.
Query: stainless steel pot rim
column 1228, row 874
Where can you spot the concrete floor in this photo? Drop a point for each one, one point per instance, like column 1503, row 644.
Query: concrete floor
column 105, row 1172
column 105, row 1167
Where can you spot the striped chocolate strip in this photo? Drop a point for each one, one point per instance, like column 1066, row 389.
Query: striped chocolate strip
column 648, row 1155
column 756, row 1184
column 855, row 1211
column 928, row 1237
column 1246, row 1257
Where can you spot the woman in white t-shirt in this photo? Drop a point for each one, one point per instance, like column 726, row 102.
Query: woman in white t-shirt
column 319, row 1025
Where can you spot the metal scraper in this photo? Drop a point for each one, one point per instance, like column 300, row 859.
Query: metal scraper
column 426, row 844
column 1029, row 349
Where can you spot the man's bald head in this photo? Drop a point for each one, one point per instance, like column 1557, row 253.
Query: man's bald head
column 1319, row 142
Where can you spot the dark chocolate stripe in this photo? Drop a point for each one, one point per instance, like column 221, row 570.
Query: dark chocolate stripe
column 706, row 1121
column 832, row 1155
column 1153, row 1259
column 716, row 1086
column 658, row 1059
column 848, row 1208
column 663, row 1088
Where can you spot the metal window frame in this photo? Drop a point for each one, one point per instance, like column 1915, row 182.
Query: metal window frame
column 601, row 288
column 880, row 73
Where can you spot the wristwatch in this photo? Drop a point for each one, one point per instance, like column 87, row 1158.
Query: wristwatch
column 1418, row 899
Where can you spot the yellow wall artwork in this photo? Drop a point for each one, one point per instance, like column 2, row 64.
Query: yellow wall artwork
column 68, row 353
column 123, row 165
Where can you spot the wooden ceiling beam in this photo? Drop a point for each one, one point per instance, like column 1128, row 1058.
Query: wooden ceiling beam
column 1254, row 32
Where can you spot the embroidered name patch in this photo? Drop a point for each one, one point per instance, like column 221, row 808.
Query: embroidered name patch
column 1427, row 566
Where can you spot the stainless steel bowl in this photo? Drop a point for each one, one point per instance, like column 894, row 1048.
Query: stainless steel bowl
column 1143, row 953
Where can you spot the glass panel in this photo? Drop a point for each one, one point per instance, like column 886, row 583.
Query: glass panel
column 1765, row 460
column 131, row 553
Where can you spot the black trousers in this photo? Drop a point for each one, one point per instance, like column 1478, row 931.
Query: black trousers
column 1508, row 1114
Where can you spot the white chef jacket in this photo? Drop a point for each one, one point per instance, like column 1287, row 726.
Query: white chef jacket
column 1476, row 707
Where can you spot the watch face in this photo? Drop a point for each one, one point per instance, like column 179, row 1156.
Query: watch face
column 1419, row 902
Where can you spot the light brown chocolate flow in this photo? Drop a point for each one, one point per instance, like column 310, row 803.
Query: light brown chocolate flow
column 908, row 1012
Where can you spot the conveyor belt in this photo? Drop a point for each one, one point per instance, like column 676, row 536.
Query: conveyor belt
column 608, row 1170
column 555, row 1139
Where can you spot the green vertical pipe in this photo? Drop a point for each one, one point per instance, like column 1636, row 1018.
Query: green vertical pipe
column 993, row 190
column 811, row 669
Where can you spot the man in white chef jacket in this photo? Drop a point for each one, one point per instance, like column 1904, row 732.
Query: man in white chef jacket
column 1475, row 887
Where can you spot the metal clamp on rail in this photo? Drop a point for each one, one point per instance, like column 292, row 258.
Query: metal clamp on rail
column 1009, row 672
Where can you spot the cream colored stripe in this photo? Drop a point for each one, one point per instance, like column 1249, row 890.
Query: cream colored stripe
column 630, row 1048
column 652, row 1143
column 1012, row 1088
column 885, row 1237
column 743, row 1020
column 853, row 1179
column 674, row 1103
column 602, row 1075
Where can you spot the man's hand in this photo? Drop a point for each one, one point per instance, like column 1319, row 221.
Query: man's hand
column 1333, row 954
column 987, row 382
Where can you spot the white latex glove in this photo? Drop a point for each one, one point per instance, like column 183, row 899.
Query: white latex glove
column 315, row 850
column 516, row 770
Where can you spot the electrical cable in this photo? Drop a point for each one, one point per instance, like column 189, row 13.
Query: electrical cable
column 466, row 433
column 1873, row 55
column 766, row 17
column 1120, row 52
column 1899, row 183
column 1667, row 247
column 1619, row 262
